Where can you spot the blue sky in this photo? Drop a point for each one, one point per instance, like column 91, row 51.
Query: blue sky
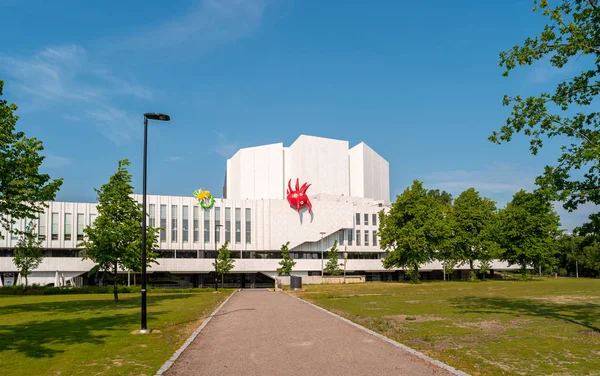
column 419, row 82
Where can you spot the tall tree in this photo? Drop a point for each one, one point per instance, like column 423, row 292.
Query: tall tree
column 29, row 253
column 569, row 112
column 333, row 266
column 413, row 229
column 527, row 230
column 23, row 190
column 473, row 217
column 115, row 238
column 588, row 253
column 224, row 262
column 287, row 262
column 443, row 196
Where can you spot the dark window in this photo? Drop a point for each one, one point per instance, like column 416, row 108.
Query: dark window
column 228, row 224
column 238, row 225
column 163, row 223
column 248, row 226
column 173, row 223
column 185, row 223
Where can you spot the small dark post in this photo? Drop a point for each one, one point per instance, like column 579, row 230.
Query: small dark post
column 161, row 117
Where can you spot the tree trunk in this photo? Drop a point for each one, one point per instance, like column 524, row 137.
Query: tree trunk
column 25, row 280
column 222, row 280
column 115, row 285
column 472, row 273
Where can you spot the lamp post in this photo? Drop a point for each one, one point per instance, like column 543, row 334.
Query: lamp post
column 322, row 233
column 216, row 255
column 160, row 117
column 345, row 260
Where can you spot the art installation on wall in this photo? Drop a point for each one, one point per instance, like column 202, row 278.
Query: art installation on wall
column 298, row 197
column 205, row 198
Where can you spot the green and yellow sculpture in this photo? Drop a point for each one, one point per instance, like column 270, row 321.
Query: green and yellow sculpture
column 205, row 198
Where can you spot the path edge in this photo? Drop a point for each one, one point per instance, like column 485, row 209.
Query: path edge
column 165, row 367
column 410, row 350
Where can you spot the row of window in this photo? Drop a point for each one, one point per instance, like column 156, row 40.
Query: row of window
column 203, row 254
column 366, row 219
column 54, row 226
column 348, row 237
column 196, row 218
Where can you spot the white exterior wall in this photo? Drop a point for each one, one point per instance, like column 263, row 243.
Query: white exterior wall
column 369, row 174
column 322, row 162
column 328, row 165
column 256, row 173
column 273, row 223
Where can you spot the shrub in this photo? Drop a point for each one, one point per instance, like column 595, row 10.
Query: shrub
column 43, row 290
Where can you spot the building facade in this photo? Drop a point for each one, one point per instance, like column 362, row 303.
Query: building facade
column 348, row 189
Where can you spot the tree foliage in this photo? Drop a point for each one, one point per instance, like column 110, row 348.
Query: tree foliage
column 28, row 253
column 413, row 229
column 287, row 263
column 114, row 241
column 587, row 254
column 23, row 190
column 224, row 263
column 527, row 230
column 442, row 196
column 473, row 217
column 333, row 266
column 572, row 32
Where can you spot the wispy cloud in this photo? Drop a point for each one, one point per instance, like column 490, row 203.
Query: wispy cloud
column 498, row 178
column 224, row 147
column 500, row 182
column 63, row 75
column 543, row 72
column 55, row 161
column 173, row 159
column 570, row 220
column 210, row 23
column 71, row 117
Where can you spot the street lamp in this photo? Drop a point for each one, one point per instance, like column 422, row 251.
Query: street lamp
column 322, row 233
column 160, row 117
column 216, row 254
column 345, row 260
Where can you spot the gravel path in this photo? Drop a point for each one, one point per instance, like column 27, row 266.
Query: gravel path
column 261, row 332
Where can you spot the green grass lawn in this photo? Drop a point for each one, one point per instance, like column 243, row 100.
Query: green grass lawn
column 90, row 334
column 544, row 327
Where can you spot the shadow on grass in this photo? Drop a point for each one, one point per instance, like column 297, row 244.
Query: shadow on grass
column 36, row 338
column 585, row 315
column 87, row 305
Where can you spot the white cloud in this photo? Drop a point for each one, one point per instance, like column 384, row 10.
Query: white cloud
column 496, row 179
column 173, row 159
column 71, row 117
column 63, row 75
column 55, row 161
column 500, row 182
column 570, row 220
column 224, row 147
column 210, row 23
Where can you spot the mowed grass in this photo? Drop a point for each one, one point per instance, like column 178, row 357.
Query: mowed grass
column 90, row 334
column 544, row 327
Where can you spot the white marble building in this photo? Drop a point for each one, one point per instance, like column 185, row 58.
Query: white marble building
column 349, row 187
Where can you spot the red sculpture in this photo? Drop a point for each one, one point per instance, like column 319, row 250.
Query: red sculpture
column 298, row 198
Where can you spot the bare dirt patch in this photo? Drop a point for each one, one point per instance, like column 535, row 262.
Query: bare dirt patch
column 590, row 333
column 566, row 299
column 493, row 326
column 414, row 318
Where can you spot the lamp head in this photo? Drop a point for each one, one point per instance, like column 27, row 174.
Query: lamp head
column 157, row 116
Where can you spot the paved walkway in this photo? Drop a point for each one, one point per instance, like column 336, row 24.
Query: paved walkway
column 269, row 333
